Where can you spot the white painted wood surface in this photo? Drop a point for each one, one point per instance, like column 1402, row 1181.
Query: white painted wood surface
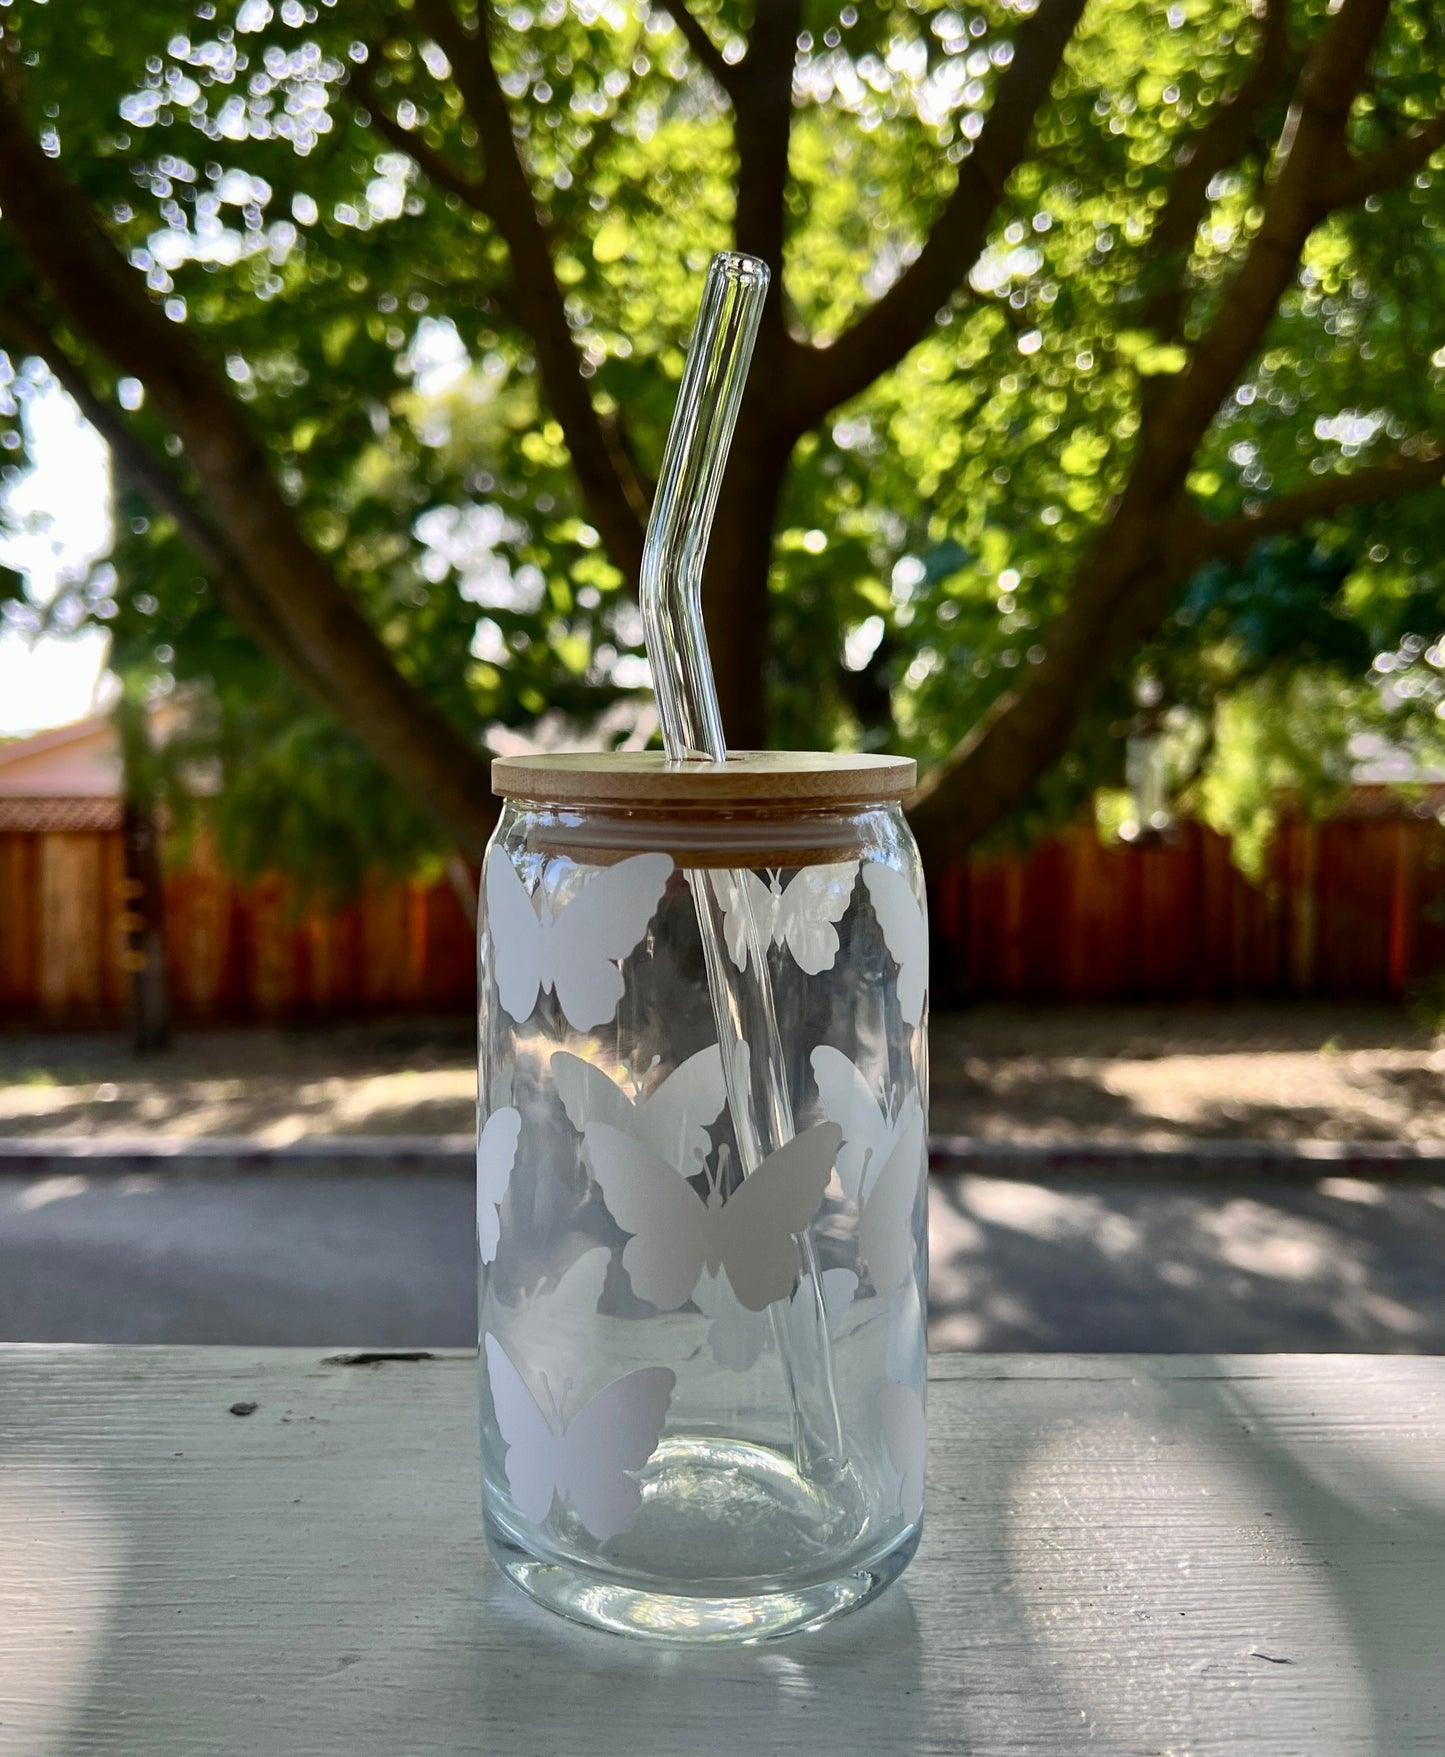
column 1130, row 1554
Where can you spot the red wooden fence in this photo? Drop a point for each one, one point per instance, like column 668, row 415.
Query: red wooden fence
column 234, row 952
column 1352, row 909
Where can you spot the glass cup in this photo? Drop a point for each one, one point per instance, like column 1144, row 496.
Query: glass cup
column 703, row 1363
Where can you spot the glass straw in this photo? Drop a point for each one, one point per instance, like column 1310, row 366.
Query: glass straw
column 687, row 705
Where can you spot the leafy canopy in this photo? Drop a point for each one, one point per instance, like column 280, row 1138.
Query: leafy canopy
column 929, row 529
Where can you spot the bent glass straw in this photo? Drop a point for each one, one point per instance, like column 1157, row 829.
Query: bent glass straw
column 687, row 705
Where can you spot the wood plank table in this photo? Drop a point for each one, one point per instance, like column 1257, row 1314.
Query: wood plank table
column 1134, row 1554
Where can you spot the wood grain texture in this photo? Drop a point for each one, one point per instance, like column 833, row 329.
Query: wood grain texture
column 779, row 780
column 1129, row 1554
column 1348, row 909
column 235, row 951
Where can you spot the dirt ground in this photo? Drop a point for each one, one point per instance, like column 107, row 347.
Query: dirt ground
column 1166, row 1075
column 1159, row 1075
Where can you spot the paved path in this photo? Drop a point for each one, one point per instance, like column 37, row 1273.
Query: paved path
column 1216, row 1264
column 1081, row 1261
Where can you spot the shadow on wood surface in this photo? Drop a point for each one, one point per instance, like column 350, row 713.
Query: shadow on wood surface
column 1137, row 1554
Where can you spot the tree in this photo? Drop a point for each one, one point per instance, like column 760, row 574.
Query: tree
column 144, row 918
column 1069, row 309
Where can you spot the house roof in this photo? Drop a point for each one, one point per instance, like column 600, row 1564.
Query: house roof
column 71, row 764
column 78, row 761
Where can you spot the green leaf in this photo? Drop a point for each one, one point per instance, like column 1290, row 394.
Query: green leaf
column 1159, row 359
column 369, row 326
column 613, row 240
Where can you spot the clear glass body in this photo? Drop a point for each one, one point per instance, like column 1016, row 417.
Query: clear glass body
column 703, row 1358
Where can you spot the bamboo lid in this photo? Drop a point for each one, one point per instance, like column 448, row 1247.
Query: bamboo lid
column 763, row 781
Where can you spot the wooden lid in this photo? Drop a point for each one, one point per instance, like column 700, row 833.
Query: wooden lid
column 750, row 780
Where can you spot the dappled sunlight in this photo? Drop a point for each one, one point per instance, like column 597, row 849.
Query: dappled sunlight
column 1351, row 1189
column 270, row 1104
column 21, row 1104
column 45, row 1190
column 1096, row 1256
column 282, row 1131
column 1170, row 1075
column 1253, row 1236
column 1113, row 1259
column 1140, row 1529
column 1381, row 1450
column 63, row 1551
column 362, row 1104
column 1052, row 1213
column 1144, row 1075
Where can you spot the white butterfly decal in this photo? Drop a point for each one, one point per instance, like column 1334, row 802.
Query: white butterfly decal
column 905, row 1433
column 496, row 1155
column 576, row 949
column 905, row 933
column 672, row 1120
column 586, row 1461
column 802, row 916
column 879, row 1165
column 676, row 1233
column 737, row 1336
column 869, row 1136
column 906, row 1353
column 560, row 1322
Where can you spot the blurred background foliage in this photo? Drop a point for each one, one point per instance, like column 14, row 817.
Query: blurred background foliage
column 928, row 530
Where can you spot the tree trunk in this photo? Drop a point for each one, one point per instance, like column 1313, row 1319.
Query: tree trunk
column 735, row 597
column 1120, row 597
column 316, row 630
column 145, row 930
column 143, row 920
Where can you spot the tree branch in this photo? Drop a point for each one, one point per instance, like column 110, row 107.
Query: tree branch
column 889, row 329
column 735, row 595
column 105, row 303
column 611, row 493
column 705, row 51
column 1419, row 465
column 602, row 131
column 1312, row 142
column 1201, row 157
column 762, row 93
column 435, row 166
column 1373, row 173
column 23, row 329
column 990, row 770
column 1153, row 537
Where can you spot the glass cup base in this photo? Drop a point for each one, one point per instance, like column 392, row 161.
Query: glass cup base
column 719, row 1552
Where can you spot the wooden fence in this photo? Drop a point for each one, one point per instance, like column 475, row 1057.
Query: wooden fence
column 1352, row 909
column 234, row 952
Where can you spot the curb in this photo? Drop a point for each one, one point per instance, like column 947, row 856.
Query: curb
column 454, row 1155
column 122, row 1155
column 1228, row 1160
